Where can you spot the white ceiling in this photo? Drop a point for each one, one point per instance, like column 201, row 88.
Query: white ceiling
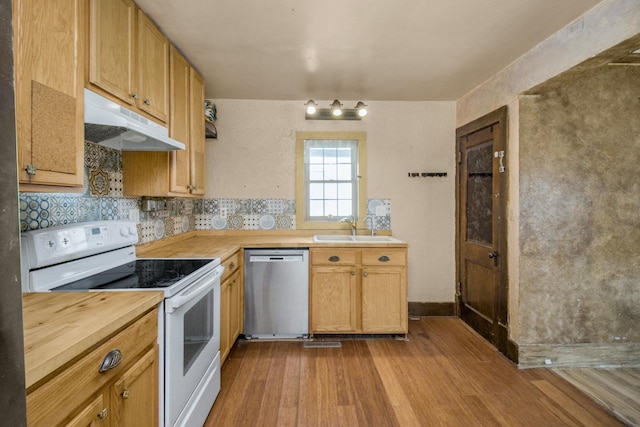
column 355, row 49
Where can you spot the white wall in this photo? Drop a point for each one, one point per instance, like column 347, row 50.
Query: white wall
column 254, row 157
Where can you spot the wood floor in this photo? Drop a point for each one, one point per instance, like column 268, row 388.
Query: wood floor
column 444, row 374
column 617, row 389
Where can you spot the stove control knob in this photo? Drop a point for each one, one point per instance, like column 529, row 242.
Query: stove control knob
column 133, row 230
column 124, row 231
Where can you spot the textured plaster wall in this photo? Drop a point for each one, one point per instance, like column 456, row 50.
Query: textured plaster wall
column 254, row 157
column 609, row 23
column 580, row 210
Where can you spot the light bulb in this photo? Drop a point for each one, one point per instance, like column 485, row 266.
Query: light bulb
column 336, row 108
column 311, row 107
column 361, row 108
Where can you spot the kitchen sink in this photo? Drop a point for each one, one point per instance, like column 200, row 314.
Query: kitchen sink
column 330, row 238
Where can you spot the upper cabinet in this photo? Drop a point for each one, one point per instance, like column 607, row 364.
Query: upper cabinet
column 129, row 57
column 179, row 172
column 49, row 79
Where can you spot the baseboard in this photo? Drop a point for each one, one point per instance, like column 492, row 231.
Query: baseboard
column 512, row 351
column 578, row 355
column 432, row 308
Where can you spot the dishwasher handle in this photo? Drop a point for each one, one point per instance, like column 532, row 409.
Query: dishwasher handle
column 276, row 258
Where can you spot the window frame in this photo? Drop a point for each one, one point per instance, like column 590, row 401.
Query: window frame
column 301, row 192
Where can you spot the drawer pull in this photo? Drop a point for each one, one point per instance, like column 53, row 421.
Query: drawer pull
column 126, row 393
column 365, row 274
column 353, row 273
column 384, row 258
column 232, row 265
column 111, row 360
column 334, row 258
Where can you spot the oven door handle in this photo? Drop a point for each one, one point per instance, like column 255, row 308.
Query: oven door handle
column 195, row 291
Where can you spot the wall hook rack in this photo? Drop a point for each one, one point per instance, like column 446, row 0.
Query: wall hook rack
column 426, row 174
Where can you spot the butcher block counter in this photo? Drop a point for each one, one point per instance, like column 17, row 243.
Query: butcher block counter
column 60, row 327
column 218, row 244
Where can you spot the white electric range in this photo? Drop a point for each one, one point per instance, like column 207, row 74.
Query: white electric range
column 100, row 256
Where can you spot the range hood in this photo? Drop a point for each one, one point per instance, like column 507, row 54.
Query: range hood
column 109, row 124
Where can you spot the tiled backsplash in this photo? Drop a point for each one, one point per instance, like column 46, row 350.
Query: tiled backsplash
column 102, row 199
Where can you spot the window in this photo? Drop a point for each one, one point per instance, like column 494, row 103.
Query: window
column 331, row 179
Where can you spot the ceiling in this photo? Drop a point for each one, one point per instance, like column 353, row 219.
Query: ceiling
column 414, row 50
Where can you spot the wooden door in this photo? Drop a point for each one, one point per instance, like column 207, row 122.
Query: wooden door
column 153, row 69
column 225, row 319
column 235, row 311
column 197, row 133
column 134, row 397
column 333, row 299
column 481, row 227
column 95, row 414
column 384, row 300
column 112, row 44
column 179, row 123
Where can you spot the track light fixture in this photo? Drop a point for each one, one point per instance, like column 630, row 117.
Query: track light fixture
column 335, row 111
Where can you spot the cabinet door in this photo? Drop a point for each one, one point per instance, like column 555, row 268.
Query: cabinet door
column 333, row 299
column 225, row 330
column 153, row 69
column 197, row 133
column 49, row 81
column 111, row 37
column 134, row 397
column 384, row 300
column 180, row 181
column 95, row 414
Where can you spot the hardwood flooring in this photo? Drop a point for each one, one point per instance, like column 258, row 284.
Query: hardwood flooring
column 616, row 389
column 443, row 375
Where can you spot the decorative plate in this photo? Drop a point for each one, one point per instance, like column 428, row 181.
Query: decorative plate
column 158, row 229
column 218, row 223
column 267, row 222
column 185, row 224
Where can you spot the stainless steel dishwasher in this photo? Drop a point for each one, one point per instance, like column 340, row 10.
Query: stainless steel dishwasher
column 276, row 293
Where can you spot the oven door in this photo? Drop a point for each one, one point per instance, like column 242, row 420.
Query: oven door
column 192, row 340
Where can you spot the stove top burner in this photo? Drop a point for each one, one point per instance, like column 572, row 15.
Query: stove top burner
column 139, row 274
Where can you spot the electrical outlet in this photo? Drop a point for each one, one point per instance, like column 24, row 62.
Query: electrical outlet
column 381, row 210
column 223, row 213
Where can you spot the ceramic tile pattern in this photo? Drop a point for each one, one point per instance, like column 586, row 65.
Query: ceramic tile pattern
column 103, row 199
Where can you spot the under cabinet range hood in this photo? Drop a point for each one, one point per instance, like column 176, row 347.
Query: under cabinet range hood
column 109, row 124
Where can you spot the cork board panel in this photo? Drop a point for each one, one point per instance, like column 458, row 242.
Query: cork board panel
column 53, row 129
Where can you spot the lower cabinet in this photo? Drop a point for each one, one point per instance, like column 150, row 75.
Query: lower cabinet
column 124, row 395
column 359, row 290
column 231, row 305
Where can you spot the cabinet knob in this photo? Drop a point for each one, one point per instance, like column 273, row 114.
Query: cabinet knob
column 103, row 414
column 353, row 273
column 125, row 393
column 31, row 169
column 334, row 258
column 135, row 95
column 147, row 101
column 384, row 258
column 365, row 274
column 232, row 265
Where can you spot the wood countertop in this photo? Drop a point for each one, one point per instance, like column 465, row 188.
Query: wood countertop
column 206, row 244
column 59, row 327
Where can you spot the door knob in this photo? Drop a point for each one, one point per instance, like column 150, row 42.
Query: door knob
column 494, row 256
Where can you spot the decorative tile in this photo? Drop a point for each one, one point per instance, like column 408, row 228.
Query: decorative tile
column 92, row 155
column 284, row 222
column 383, row 223
column 147, row 231
column 98, row 182
column 192, row 223
column 202, row 221
column 89, row 209
column 289, row 207
column 211, row 206
column 251, row 222
column 108, row 208
column 115, row 184
column 259, row 206
column 169, row 228
column 267, row 222
column 235, row 222
column 198, row 206
column 111, row 160
column 65, row 209
column 188, row 207
column 228, row 204
column 274, row 206
column 242, row 206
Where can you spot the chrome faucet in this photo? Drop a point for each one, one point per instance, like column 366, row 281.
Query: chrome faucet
column 352, row 222
column 372, row 223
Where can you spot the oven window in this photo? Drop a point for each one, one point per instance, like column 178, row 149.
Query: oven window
column 198, row 329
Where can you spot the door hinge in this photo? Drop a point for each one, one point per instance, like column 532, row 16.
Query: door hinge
column 31, row 169
column 459, row 157
column 500, row 155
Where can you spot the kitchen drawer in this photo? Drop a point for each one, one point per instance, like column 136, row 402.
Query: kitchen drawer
column 231, row 264
column 333, row 256
column 58, row 398
column 384, row 256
